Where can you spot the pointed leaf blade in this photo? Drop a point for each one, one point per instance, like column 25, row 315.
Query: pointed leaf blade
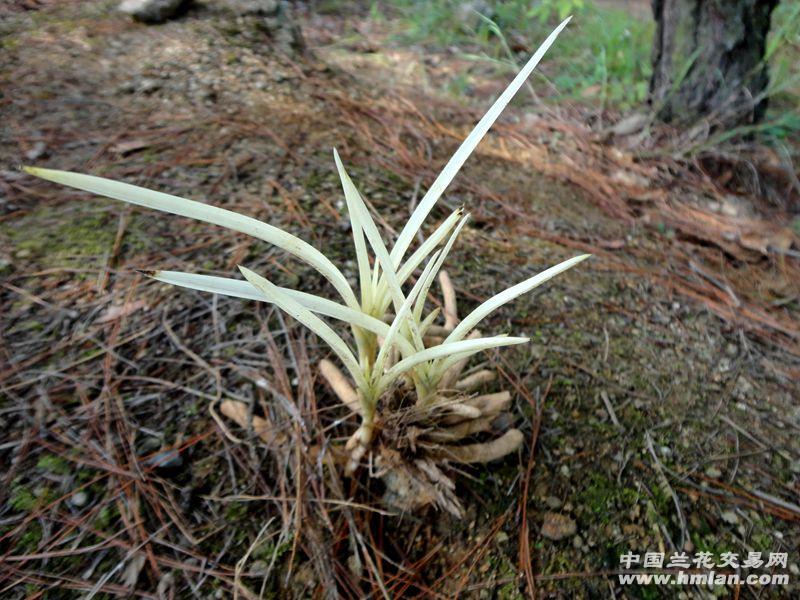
column 203, row 212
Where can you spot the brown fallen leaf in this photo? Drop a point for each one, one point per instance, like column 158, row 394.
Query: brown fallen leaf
column 115, row 312
column 557, row 526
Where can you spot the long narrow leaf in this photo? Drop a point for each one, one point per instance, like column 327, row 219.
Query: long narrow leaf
column 432, row 273
column 310, row 320
column 428, row 245
column 204, row 212
column 362, row 258
column 477, row 315
column 244, row 289
column 464, row 348
column 467, row 146
column 402, row 317
column 356, row 205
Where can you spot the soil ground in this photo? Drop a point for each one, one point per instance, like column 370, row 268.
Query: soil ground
column 659, row 396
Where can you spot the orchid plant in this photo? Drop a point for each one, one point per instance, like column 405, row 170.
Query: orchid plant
column 391, row 330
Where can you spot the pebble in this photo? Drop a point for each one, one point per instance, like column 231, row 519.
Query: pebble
column 79, row 499
column 730, row 516
column 151, row 11
column 38, row 150
column 713, row 472
column 553, row 502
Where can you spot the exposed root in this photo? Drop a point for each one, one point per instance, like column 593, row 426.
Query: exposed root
column 510, row 441
column 340, row 386
column 461, row 411
column 460, row 431
column 411, row 444
column 475, row 380
column 449, row 298
column 453, row 373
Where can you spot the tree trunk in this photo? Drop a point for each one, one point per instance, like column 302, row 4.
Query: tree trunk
column 708, row 60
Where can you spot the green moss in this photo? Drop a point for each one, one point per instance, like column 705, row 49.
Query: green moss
column 81, row 236
column 105, row 517
column 605, row 498
column 54, row 464
column 77, row 235
column 22, row 498
column 269, row 549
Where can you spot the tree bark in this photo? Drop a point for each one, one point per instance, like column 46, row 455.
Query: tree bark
column 708, row 60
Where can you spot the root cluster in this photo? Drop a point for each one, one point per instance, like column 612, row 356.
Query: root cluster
column 412, row 447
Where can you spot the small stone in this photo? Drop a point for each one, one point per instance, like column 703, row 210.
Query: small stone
column 152, row 11
column 564, row 470
column 38, row 150
column 553, row 502
column 259, row 568
column 501, row 537
column 79, row 499
column 743, row 388
column 557, row 526
column 730, row 516
column 148, row 86
column 713, row 472
column 577, row 542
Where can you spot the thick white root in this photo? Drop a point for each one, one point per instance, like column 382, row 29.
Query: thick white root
column 341, row 387
column 449, row 297
column 482, row 453
column 460, row 431
column 483, row 406
column 475, row 380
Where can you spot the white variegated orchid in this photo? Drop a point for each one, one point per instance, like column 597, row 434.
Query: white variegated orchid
column 388, row 349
